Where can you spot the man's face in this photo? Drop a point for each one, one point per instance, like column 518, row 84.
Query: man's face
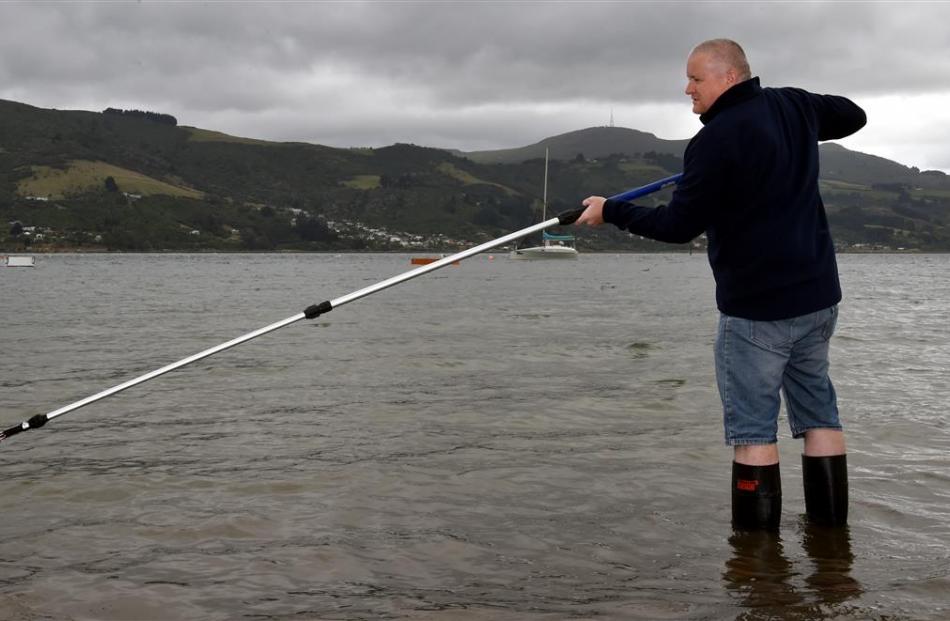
column 706, row 80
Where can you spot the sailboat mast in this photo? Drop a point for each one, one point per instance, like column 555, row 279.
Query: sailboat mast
column 544, row 203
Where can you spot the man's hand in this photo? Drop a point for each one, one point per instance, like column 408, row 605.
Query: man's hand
column 594, row 214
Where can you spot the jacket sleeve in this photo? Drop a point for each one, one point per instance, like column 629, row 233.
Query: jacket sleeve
column 688, row 213
column 837, row 116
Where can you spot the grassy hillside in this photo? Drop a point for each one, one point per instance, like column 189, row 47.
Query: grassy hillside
column 81, row 176
column 206, row 135
column 190, row 188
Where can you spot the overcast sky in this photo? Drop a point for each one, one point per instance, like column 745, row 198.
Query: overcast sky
column 473, row 75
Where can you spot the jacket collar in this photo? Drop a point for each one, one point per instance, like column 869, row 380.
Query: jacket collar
column 736, row 94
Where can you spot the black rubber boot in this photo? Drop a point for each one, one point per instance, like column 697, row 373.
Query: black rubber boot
column 826, row 489
column 756, row 497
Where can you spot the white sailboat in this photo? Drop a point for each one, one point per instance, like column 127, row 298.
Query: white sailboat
column 18, row 261
column 553, row 246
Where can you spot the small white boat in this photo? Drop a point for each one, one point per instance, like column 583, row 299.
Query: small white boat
column 553, row 246
column 18, row 261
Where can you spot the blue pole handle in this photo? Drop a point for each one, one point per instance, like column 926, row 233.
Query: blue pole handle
column 570, row 217
column 656, row 186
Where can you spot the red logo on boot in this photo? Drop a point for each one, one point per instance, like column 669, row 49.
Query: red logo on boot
column 746, row 486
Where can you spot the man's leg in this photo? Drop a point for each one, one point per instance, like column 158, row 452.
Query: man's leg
column 813, row 414
column 824, row 442
column 756, row 487
column 750, row 362
column 757, row 454
column 825, row 477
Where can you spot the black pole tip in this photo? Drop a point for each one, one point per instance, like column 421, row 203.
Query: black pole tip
column 570, row 217
column 34, row 422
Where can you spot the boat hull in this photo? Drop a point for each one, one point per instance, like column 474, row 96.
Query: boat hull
column 544, row 252
column 427, row 260
column 18, row 261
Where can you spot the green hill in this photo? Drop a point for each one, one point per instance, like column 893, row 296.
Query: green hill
column 138, row 181
column 840, row 164
column 593, row 142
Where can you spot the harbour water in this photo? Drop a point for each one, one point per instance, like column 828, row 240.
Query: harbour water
column 499, row 440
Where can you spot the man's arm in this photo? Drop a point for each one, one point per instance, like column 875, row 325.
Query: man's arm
column 686, row 216
column 666, row 223
column 837, row 116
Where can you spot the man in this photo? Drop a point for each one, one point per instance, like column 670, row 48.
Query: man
column 750, row 182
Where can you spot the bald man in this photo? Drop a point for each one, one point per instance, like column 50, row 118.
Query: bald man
column 750, row 183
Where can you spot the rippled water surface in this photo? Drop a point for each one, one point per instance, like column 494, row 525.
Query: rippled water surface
column 499, row 440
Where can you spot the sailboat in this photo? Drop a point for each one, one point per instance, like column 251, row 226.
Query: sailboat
column 553, row 246
column 28, row 261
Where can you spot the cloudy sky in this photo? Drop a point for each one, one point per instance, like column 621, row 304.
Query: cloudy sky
column 473, row 75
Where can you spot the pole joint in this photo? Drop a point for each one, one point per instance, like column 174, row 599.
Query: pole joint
column 315, row 310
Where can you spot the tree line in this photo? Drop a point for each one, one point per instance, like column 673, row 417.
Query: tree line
column 155, row 117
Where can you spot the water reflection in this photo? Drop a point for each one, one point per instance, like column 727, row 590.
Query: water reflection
column 830, row 552
column 760, row 574
column 767, row 585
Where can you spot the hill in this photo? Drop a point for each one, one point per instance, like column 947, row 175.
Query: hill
column 593, row 142
column 138, row 181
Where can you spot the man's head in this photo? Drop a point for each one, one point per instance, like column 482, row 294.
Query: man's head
column 712, row 68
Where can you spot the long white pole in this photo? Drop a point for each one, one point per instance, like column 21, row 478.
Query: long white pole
column 316, row 310
column 313, row 311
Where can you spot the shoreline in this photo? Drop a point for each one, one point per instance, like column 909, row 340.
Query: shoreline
column 79, row 250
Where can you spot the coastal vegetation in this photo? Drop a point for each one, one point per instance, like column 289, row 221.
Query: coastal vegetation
column 138, row 181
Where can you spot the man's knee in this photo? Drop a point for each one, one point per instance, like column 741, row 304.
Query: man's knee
column 756, row 454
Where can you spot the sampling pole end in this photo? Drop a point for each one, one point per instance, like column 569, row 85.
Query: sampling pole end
column 34, row 422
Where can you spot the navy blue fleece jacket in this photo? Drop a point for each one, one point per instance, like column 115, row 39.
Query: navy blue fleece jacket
column 750, row 182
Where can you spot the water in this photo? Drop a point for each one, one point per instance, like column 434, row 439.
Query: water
column 499, row 440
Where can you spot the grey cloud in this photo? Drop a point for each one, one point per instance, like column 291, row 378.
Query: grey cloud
column 486, row 52
column 374, row 69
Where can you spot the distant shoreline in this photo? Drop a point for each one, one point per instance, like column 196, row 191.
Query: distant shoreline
column 51, row 252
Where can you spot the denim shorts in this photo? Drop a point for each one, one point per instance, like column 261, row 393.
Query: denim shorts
column 756, row 360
